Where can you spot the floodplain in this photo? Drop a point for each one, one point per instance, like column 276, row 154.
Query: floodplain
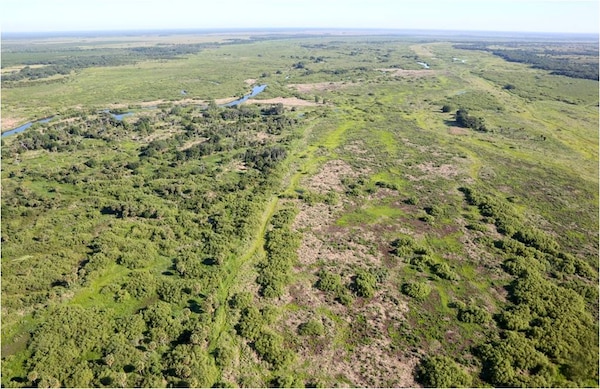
column 365, row 221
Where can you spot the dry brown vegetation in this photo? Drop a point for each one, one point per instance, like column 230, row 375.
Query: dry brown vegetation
column 286, row 101
column 318, row 86
column 410, row 73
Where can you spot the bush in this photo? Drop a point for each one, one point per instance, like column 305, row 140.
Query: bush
column 345, row 298
column 329, row 282
column 427, row 219
column 444, row 271
column 442, row 372
column 537, row 239
column 447, row 108
column 417, row 290
column 434, row 210
column 421, row 262
column 311, row 328
column 270, row 348
column 250, row 324
column 364, row 284
column 473, row 314
column 403, row 246
column 241, row 300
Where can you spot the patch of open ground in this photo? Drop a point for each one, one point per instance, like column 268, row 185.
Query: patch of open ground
column 445, row 170
column 250, row 81
column 330, row 177
column 17, row 68
column 287, row 101
column 153, row 103
column 453, row 130
column 409, row 73
column 318, row 86
column 342, row 352
column 192, row 143
column 8, row 122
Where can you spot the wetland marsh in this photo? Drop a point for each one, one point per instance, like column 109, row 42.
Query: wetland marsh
column 364, row 221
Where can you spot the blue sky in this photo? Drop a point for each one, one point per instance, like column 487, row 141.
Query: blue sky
column 581, row 16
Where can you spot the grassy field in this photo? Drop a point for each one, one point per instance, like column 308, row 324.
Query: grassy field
column 359, row 236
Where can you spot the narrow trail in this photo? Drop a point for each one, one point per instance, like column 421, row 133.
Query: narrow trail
column 233, row 269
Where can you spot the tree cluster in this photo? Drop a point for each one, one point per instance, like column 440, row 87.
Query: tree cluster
column 465, row 120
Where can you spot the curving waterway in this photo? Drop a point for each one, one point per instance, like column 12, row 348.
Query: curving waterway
column 256, row 90
column 25, row 126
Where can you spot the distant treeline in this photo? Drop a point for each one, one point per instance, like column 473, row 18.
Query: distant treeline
column 548, row 59
column 66, row 65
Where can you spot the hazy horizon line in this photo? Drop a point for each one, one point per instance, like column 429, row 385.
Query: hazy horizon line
column 378, row 30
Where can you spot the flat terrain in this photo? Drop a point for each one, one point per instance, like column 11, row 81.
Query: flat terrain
column 345, row 227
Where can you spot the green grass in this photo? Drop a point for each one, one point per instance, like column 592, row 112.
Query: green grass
column 540, row 159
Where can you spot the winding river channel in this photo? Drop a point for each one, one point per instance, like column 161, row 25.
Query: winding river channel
column 255, row 91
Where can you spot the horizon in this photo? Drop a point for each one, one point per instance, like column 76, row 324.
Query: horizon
column 296, row 31
column 510, row 16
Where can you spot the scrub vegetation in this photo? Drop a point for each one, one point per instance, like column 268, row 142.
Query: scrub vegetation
column 365, row 221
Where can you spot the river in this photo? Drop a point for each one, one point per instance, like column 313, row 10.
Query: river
column 25, row 126
column 256, row 90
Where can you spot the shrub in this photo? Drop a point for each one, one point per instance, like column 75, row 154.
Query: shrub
column 447, row 108
column 329, row 282
column 444, row 271
column 364, row 284
column 417, row 290
column 311, row 328
column 536, row 238
column 412, row 200
column 473, row 314
column 140, row 284
column 421, row 262
column 442, row 372
column 270, row 348
column 403, row 245
column 516, row 319
column 427, row 219
column 434, row 210
column 250, row 324
column 241, row 300
column 344, row 298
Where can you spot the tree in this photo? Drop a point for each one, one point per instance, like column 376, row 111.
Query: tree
column 465, row 120
column 442, row 372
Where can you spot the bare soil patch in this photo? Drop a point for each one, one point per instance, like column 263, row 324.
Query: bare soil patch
column 371, row 364
column 444, row 170
column 318, row 86
column 250, row 81
column 8, row 122
column 287, row 101
column 154, row 103
column 262, row 136
column 409, row 73
column 192, row 143
column 330, row 177
column 457, row 131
